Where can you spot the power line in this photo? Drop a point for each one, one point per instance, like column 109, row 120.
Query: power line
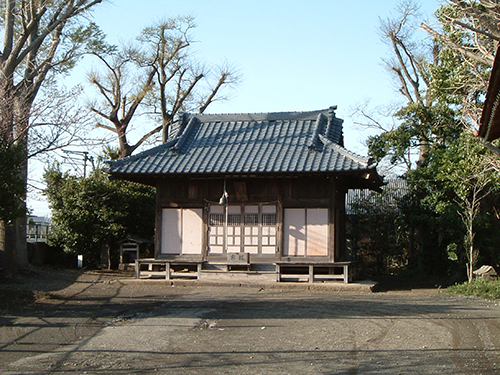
column 86, row 158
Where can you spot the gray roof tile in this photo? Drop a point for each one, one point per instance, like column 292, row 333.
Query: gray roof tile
column 285, row 142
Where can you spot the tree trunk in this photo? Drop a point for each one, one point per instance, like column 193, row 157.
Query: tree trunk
column 13, row 245
column 20, row 241
column 411, row 245
column 15, row 120
column 8, row 263
column 21, row 136
column 109, row 256
column 124, row 149
column 470, row 265
column 2, row 247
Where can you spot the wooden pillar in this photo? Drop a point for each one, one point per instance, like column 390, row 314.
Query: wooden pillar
column 158, row 219
column 338, row 213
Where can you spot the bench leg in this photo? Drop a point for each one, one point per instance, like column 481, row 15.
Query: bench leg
column 167, row 270
column 346, row 274
column 137, row 270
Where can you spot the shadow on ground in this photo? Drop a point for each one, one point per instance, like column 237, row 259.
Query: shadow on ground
column 406, row 283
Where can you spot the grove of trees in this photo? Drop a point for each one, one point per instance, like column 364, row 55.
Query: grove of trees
column 40, row 40
column 440, row 66
column 452, row 204
column 90, row 215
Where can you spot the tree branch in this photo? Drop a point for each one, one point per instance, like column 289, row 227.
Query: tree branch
column 483, row 60
column 99, row 125
column 210, row 99
column 139, row 97
column 146, row 136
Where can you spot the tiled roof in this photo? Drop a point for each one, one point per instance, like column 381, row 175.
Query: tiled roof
column 286, row 142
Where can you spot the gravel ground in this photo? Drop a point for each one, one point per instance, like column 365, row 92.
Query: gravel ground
column 60, row 322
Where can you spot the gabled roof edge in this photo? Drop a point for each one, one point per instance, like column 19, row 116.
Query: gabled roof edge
column 368, row 162
column 142, row 154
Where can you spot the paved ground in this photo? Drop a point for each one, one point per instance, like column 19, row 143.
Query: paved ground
column 99, row 323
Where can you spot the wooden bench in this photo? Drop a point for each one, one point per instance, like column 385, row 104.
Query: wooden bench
column 168, row 265
column 347, row 275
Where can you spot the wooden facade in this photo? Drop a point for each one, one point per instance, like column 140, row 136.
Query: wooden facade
column 271, row 219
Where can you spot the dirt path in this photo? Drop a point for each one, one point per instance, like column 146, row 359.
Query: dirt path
column 99, row 324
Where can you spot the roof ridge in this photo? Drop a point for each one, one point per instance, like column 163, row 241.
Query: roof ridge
column 336, row 147
column 260, row 116
column 181, row 139
column 254, row 113
column 334, row 126
column 313, row 141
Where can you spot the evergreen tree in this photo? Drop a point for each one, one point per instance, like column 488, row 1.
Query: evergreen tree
column 444, row 82
column 92, row 214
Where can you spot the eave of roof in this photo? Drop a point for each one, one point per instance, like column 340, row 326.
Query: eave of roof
column 489, row 128
column 359, row 179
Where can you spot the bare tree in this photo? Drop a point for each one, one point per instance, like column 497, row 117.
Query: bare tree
column 474, row 180
column 409, row 66
column 31, row 52
column 57, row 120
column 470, row 206
column 122, row 94
column 417, row 122
column 166, row 81
column 441, row 75
column 453, row 66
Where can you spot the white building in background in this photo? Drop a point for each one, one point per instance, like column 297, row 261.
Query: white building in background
column 37, row 228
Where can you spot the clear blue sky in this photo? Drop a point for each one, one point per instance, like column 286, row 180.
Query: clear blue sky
column 293, row 55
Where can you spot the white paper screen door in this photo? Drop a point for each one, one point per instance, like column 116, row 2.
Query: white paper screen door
column 305, row 232
column 182, row 230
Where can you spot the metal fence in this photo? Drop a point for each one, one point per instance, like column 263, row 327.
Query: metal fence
column 358, row 199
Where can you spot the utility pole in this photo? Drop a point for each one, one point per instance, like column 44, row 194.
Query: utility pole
column 86, row 158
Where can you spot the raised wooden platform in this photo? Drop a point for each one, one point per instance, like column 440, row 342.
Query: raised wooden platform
column 189, row 268
column 312, row 271
column 308, row 271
